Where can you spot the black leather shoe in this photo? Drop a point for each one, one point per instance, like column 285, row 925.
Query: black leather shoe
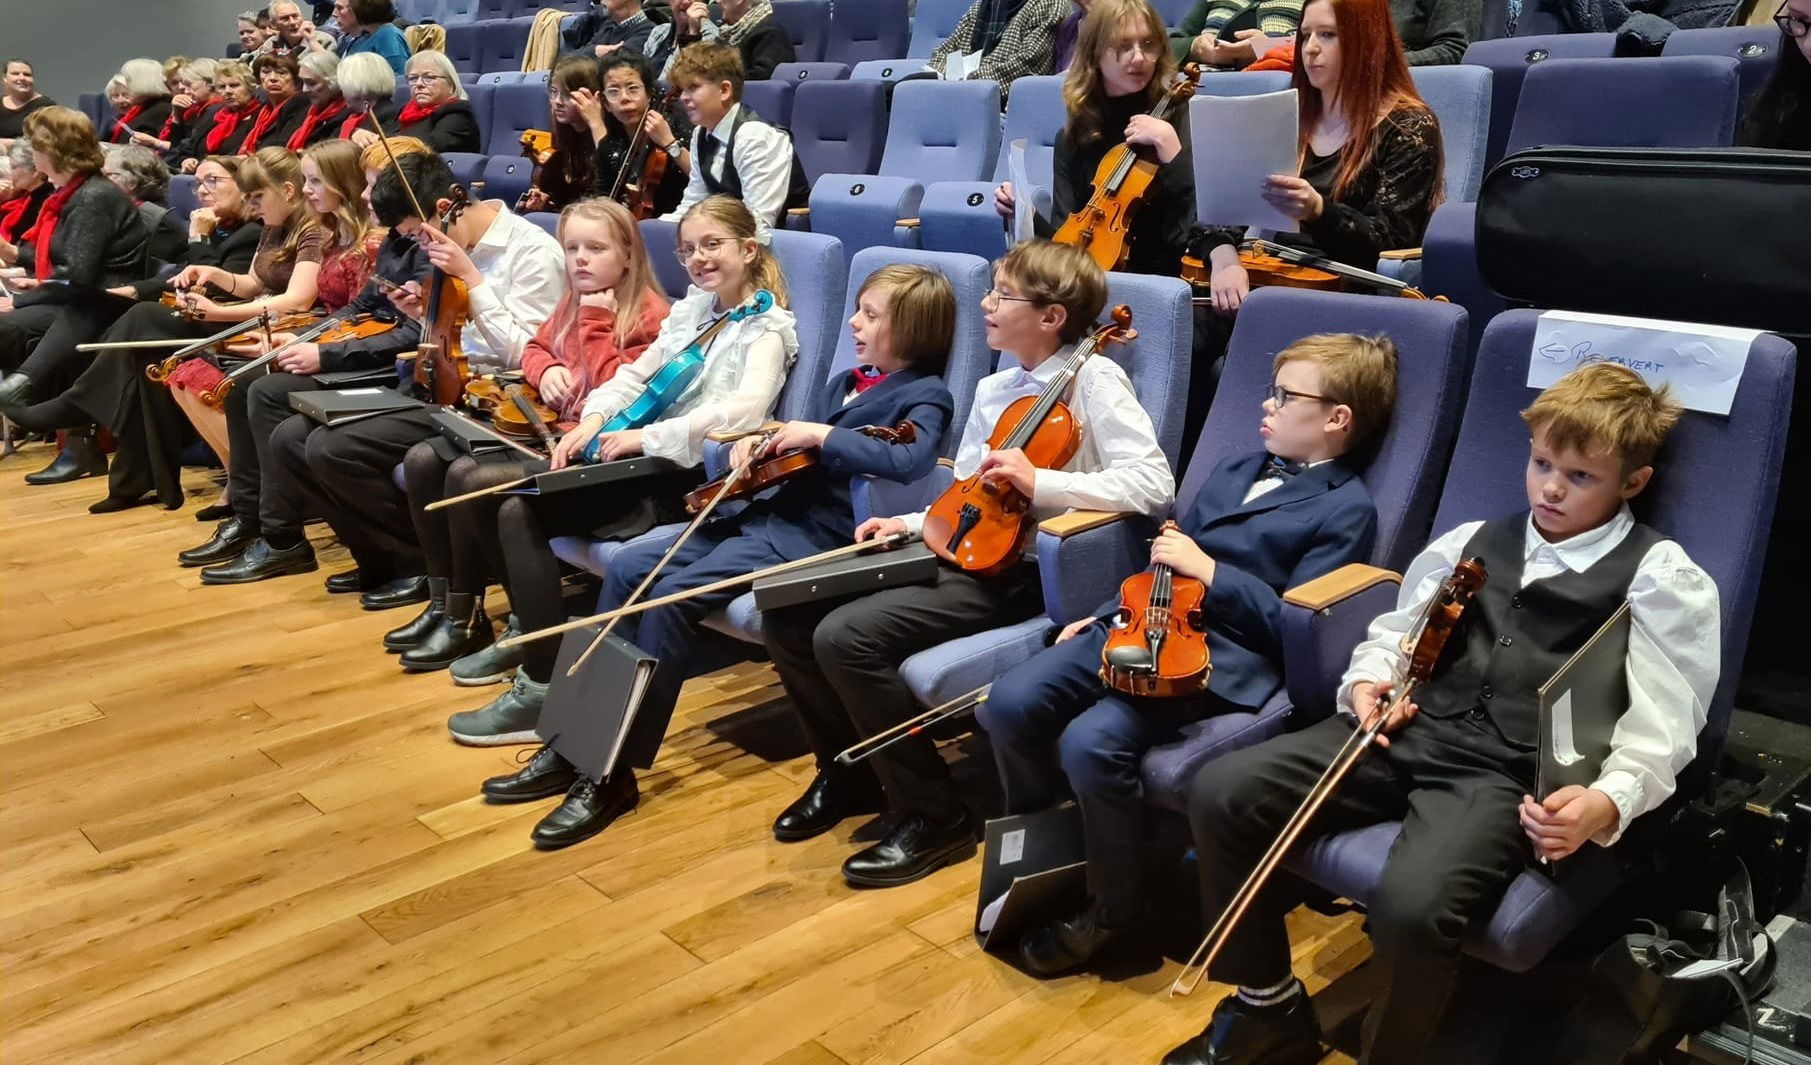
column 545, row 775
column 214, row 512
column 15, row 393
column 1242, row 1034
column 112, row 504
column 261, row 562
column 463, row 630
column 1065, row 945
column 827, row 801
column 346, row 583
column 913, row 850
column 403, row 591
column 404, row 637
column 589, row 808
column 81, row 457
column 231, row 538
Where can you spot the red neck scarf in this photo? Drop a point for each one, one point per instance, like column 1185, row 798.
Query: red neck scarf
column 122, row 130
column 189, row 116
column 266, row 119
column 317, row 116
column 11, row 213
column 414, row 112
column 47, row 223
column 226, row 120
column 352, row 124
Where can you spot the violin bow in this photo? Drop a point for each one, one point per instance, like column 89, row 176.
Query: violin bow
column 400, row 176
column 913, row 726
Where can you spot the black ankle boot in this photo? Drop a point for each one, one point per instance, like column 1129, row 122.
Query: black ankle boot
column 81, row 457
column 410, row 635
column 462, row 630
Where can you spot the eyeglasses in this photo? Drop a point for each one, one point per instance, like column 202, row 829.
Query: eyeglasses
column 1793, row 26
column 424, row 79
column 1126, row 51
column 709, row 246
column 1279, row 396
column 623, row 92
column 995, row 296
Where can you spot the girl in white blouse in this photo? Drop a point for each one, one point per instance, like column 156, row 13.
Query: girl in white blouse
column 745, row 365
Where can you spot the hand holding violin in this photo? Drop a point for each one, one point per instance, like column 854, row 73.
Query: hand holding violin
column 195, row 276
column 1176, row 550
column 447, row 256
column 1366, row 695
column 618, row 444
column 658, row 130
column 301, row 359
column 1009, row 468
column 573, row 443
column 1154, row 133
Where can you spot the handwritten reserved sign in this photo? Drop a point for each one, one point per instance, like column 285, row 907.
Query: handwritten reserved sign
column 1703, row 363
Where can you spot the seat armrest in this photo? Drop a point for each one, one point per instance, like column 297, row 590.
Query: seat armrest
column 1083, row 556
column 1400, row 254
column 1343, row 583
column 1323, row 620
column 908, row 223
column 1076, row 522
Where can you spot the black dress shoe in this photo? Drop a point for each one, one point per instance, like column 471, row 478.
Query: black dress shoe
column 545, row 775
column 913, row 850
column 346, row 583
column 589, row 808
column 261, row 562
column 403, row 591
column 463, row 630
column 827, row 801
column 113, row 504
column 406, row 636
column 81, row 457
column 231, row 538
column 1065, row 945
column 214, row 512
column 1243, row 1034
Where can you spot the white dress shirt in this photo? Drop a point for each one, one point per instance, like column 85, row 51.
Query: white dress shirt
column 1674, row 651
column 1119, row 466
column 1272, row 480
column 744, row 369
column 524, row 275
column 763, row 158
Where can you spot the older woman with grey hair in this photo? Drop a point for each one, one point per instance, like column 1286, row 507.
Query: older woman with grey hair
column 437, row 113
column 140, row 174
column 326, row 100
column 22, row 194
column 139, row 89
column 370, row 88
column 192, row 109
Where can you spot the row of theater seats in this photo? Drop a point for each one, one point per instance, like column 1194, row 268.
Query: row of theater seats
column 1454, row 452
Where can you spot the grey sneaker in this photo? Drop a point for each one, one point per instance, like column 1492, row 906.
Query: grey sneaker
column 509, row 718
column 492, row 665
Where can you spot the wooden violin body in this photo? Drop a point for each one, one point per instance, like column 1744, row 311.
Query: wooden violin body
column 493, row 398
column 357, row 327
column 1275, row 265
column 783, row 467
column 1157, row 645
column 1426, row 641
column 644, row 166
column 981, row 526
column 441, row 369
column 1102, row 226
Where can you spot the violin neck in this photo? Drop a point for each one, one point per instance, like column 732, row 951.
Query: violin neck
column 1162, row 585
column 1047, row 399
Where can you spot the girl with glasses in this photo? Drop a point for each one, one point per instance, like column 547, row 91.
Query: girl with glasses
column 1780, row 114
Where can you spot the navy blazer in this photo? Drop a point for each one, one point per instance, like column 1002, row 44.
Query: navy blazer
column 1310, row 525
column 813, row 512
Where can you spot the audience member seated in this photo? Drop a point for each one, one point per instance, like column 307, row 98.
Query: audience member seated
column 734, row 152
column 1015, row 38
column 294, row 33
column 285, row 107
column 1066, row 34
column 747, row 25
column 369, row 87
column 253, row 29
column 1779, row 116
column 140, row 174
column 21, row 98
column 606, row 26
column 1213, row 31
column 231, row 123
column 22, row 196
column 1436, row 32
column 193, row 105
column 628, row 93
column 140, row 101
column 438, row 113
column 326, row 103
column 365, row 26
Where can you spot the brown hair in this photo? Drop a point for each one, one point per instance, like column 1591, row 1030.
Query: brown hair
column 271, row 59
column 577, row 151
column 1084, row 91
column 1061, row 274
column 1605, row 408
column 1357, row 372
column 268, row 170
column 638, row 274
column 732, row 214
column 921, row 313
column 708, row 63
column 66, row 138
column 338, row 161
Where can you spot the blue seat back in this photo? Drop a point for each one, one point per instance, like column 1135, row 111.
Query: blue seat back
column 807, row 23
column 943, row 131
column 1460, row 98
column 888, row 70
column 861, row 210
column 182, row 196
column 515, row 109
column 467, row 167
column 483, row 99
column 1509, row 60
column 661, row 238
column 1242, row 82
column 507, row 177
column 494, row 9
column 1681, row 102
column 839, row 127
column 549, row 221
column 770, row 99
column 1035, row 113
column 465, row 46
column 1756, row 48
column 870, row 29
column 503, row 43
column 454, row 12
column 815, row 277
column 800, row 73
column 935, row 20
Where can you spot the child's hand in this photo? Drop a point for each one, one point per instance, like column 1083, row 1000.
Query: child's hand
column 1567, row 819
column 797, row 436
column 1174, row 549
column 556, row 386
column 1005, row 200
column 1009, row 467
column 878, row 528
column 1366, row 695
column 1071, row 630
column 619, row 444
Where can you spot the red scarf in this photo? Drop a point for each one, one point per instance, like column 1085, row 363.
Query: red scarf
column 226, row 121
column 122, row 130
column 187, row 117
column 47, row 223
column 414, row 112
column 12, row 212
column 352, row 124
column 316, row 117
column 266, row 119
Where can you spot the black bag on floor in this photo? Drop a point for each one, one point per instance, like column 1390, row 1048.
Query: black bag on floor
column 1711, row 235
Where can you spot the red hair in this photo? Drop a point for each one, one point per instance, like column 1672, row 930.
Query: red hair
column 1373, row 81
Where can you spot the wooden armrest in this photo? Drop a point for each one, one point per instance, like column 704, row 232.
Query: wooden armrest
column 799, row 212
column 1401, row 254
column 724, row 436
column 909, row 223
column 1076, row 522
column 1343, row 583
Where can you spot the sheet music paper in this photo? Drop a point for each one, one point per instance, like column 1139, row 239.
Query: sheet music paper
column 1024, row 215
column 1239, row 141
column 958, row 66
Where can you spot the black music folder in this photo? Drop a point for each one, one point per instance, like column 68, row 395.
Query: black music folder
column 350, row 404
column 583, row 476
column 475, row 439
column 384, row 376
column 1580, row 705
column 856, row 575
column 1033, row 870
column 586, row 718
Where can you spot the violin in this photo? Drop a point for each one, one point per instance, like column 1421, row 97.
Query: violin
column 982, row 526
column 537, row 148
column 675, row 376
column 1102, row 227
column 496, row 400
column 1157, row 645
column 1269, row 263
column 638, row 194
column 441, row 369
column 181, row 304
column 329, row 331
column 768, row 472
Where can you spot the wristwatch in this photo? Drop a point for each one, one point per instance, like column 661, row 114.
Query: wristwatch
column 673, row 149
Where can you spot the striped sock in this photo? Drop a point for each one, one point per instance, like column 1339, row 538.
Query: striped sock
column 1264, row 997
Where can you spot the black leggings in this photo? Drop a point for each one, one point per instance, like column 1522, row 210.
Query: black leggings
column 460, row 542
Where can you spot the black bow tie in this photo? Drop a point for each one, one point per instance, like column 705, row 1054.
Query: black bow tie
column 1277, row 466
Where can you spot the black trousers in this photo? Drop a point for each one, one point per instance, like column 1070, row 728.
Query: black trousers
column 20, row 331
column 253, row 410
column 1454, row 784
column 460, row 542
column 840, row 662
column 345, row 474
column 39, row 340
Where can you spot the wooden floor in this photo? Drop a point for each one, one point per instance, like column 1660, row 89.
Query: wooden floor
column 231, row 830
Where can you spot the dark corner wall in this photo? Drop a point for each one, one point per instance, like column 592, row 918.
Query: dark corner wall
column 76, row 45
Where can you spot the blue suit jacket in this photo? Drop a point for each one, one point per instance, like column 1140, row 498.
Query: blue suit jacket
column 1312, row 524
column 813, row 511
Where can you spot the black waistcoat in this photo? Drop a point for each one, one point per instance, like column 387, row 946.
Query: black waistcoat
column 798, row 190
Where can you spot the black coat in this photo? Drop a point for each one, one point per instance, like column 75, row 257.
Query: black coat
column 289, row 119
column 150, row 120
column 230, row 249
column 765, row 47
column 451, row 128
column 99, row 243
column 399, row 260
column 189, row 140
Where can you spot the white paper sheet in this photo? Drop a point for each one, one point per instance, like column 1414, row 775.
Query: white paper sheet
column 1024, row 214
column 1238, row 142
column 1703, row 363
column 958, row 66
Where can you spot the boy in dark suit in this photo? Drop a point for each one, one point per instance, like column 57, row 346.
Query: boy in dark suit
column 904, row 323
column 1263, row 522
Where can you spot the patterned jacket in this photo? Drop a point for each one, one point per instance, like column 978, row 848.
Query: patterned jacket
column 1028, row 47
